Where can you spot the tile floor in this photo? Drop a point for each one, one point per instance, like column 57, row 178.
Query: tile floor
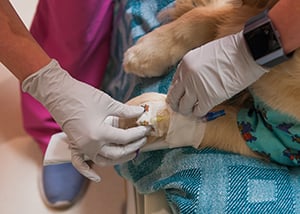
column 20, row 157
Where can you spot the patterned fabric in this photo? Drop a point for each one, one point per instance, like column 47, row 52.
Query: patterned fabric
column 271, row 132
column 194, row 181
column 210, row 181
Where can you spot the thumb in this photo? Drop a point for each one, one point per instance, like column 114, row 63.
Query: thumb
column 79, row 163
column 128, row 111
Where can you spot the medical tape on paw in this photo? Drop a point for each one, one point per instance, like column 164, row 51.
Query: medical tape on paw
column 155, row 115
column 184, row 131
column 176, row 129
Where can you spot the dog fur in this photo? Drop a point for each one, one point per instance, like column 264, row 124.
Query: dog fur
column 194, row 23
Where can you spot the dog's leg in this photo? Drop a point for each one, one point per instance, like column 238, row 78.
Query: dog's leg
column 260, row 3
column 198, row 22
column 166, row 45
column 183, row 6
column 223, row 133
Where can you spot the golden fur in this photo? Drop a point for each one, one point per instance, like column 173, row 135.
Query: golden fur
column 196, row 22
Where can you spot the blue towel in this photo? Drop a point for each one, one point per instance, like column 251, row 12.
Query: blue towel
column 194, row 181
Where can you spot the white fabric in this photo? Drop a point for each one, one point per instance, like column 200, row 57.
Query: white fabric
column 211, row 74
column 58, row 150
column 81, row 110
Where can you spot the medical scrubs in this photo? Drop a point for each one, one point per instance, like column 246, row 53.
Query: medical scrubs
column 77, row 33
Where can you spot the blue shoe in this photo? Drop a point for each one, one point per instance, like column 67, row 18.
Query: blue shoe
column 62, row 185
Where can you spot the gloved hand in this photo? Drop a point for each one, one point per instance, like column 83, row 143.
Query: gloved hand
column 81, row 110
column 211, row 74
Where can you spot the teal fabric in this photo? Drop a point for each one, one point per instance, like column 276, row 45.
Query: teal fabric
column 271, row 132
column 211, row 181
column 194, row 181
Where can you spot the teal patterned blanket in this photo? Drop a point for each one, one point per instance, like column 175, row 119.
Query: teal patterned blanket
column 194, row 181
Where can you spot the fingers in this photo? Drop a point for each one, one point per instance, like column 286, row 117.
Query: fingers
column 176, row 90
column 79, row 163
column 112, row 121
column 118, row 152
column 175, row 93
column 187, row 103
column 126, row 111
column 199, row 111
column 103, row 161
column 124, row 136
column 116, row 108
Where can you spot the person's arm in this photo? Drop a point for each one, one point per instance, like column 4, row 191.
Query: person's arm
column 211, row 74
column 19, row 52
column 81, row 110
column 285, row 16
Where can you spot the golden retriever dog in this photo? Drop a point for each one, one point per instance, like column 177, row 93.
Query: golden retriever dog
column 194, row 23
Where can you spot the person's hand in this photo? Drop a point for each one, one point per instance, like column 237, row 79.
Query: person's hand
column 211, row 74
column 82, row 111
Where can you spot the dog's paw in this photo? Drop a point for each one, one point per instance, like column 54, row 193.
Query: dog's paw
column 150, row 56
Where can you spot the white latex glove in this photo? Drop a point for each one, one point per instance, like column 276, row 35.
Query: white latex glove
column 81, row 110
column 211, row 74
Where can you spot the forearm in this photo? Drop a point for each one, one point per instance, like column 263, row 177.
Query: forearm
column 19, row 52
column 285, row 15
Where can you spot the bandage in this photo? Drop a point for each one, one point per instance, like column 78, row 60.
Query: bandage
column 169, row 128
